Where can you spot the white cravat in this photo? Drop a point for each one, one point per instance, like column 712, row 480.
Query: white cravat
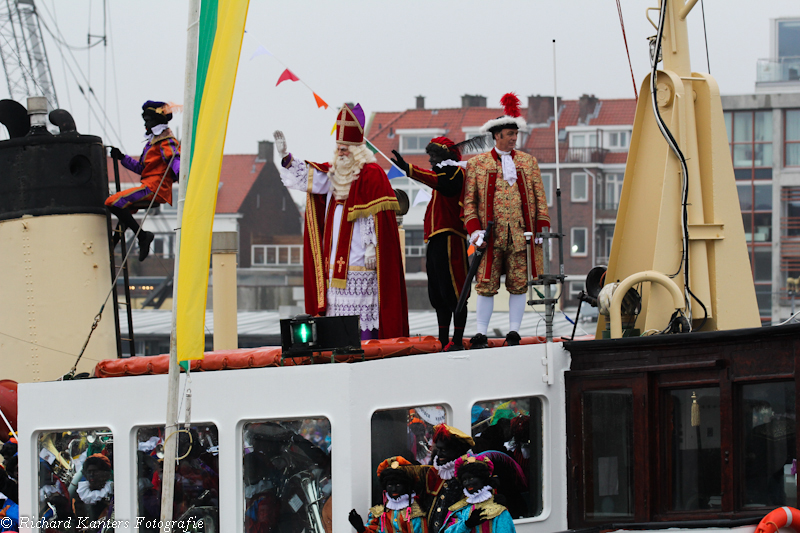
column 509, row 170
column 156, row 130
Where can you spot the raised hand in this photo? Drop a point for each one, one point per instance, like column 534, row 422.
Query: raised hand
column 400, row 162
column 280, row 143
column 475, row 519
column 355, row 520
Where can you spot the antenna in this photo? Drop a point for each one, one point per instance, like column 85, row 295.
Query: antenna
column 23, row 54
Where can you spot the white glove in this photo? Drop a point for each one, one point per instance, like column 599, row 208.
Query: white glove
column 280, row 143
column 539, row 240
column 370, row 261
column 476, row 238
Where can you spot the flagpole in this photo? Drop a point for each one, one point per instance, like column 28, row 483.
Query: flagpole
column 173, row 380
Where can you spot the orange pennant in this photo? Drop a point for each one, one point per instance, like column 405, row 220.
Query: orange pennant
column 320, row 101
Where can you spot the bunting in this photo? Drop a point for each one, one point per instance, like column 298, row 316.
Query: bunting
column 287, row 75
column 220, row 43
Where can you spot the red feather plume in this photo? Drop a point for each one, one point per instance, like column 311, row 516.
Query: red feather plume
column 510, row 104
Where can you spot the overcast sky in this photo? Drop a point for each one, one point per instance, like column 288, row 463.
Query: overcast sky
column 381, row 54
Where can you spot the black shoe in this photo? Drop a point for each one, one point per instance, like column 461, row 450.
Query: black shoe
column 512, row 339
column 453, row 347
column 478, row 341
column 145, row 240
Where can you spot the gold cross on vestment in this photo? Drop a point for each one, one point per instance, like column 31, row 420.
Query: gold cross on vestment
column 340, row 262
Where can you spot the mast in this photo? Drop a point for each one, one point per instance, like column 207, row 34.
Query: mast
column 171, row 445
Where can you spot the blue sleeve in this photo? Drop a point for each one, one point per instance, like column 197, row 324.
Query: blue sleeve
column 418, row 524
column 503, row 523
column 457, row 521
column 176, row 166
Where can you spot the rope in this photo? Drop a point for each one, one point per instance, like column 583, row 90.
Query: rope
column 99, row 315
column 625, row 38
column 705, row 35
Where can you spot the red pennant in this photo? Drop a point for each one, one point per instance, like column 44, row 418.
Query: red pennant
column 287, row 75
column 320, row 101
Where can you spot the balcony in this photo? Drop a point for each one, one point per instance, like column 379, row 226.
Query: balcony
column 784, row 69
column 569, row 155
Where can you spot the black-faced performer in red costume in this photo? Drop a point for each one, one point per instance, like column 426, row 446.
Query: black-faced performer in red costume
column 446, row 255
column 352, row 263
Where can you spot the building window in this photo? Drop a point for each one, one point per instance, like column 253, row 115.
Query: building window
column 792, row 149
column 286, row 474
column 613, row 191
column 580, row 187
column 575, row 288
column 578, row 242
column 514, row 425
column 414, row 144
column 583, row 140
column 750, row 136
column 547, row 181
column 618, row 139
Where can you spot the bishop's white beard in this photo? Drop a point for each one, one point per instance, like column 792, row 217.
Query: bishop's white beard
column 344, row 171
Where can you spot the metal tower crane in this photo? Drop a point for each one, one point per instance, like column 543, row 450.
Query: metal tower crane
column 23, row 54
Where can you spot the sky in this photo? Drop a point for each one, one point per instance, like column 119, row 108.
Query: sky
column 378, row 53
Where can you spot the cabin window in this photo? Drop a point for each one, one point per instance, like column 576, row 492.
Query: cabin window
column 768, row 444
column 608, row 481
column 76, row 474
column 196, row 493
column 693, row 449
column 407, row 432
column 512, row 429
column 287, row 474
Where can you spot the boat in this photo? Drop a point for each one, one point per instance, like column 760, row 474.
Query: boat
column 692, row 427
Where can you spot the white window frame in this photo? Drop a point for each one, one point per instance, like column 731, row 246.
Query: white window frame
column 572, row 233
column 573, row 294
column 549, row 191
column 572, row 195
column 619, row 143
column 425, row 135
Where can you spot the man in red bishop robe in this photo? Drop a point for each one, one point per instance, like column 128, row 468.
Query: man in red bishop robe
column 352, row 263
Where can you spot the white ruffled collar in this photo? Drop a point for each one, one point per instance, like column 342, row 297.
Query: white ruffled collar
column 481, row 496
column 90, row 496
column 399, row 503
column 447, row 470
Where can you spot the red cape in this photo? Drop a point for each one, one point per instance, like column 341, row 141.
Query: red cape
column 370, row 194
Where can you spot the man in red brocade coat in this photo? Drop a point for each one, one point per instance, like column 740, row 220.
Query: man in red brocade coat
column 446, row 255
column 352, row 263
column 504, row 186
